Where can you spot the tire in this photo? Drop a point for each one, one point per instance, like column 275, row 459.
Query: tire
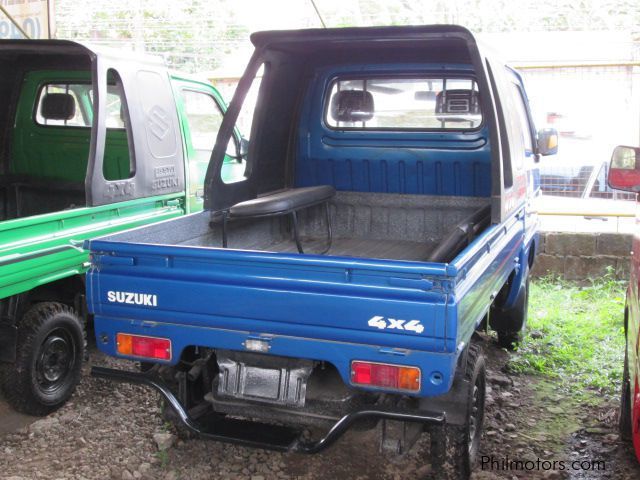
column 505, row 318
column 454, row 448
column 624, row 423
column 510, row 340
column 49, row 357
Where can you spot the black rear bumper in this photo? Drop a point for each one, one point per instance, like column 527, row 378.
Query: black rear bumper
column 262, row 435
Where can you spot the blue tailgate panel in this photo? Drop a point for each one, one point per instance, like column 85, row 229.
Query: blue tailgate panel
column 307, row 307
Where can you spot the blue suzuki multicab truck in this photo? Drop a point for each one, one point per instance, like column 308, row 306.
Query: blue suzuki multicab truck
column 382, row 218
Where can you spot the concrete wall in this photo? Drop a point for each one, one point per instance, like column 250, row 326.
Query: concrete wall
column 581, row 256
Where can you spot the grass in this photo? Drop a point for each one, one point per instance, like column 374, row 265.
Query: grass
column 575, row 334
column 163, row 456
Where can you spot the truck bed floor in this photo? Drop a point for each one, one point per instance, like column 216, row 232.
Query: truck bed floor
column 358, row 247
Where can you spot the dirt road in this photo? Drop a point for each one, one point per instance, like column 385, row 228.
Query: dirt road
column 10, row 420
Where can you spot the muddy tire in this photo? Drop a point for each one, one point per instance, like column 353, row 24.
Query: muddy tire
column 510, row 337
column 510, row 340
column 49, row 358
column 454, row 448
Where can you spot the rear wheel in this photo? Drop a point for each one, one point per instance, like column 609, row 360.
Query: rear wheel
column 454, row 447
column 510, row 323
column 49, row 359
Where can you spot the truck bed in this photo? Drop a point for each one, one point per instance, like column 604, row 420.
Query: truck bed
column 174, row 280
column 350, row 247
column 365, row 225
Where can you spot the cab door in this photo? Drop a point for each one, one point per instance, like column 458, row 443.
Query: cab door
column 201, row 110
column 524, row 160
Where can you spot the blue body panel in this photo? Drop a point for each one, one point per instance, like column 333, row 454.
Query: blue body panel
column 411, row 162
column 306, row 306
column 434, row 366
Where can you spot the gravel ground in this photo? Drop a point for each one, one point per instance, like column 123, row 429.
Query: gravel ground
column 114, row 431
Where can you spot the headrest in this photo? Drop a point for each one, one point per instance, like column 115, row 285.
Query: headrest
column 58, row 106
column 352, row 106
column 461, row 102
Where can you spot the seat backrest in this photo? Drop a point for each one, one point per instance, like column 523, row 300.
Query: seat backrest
column 352, row 106
column 58, row 106
column 457, row 105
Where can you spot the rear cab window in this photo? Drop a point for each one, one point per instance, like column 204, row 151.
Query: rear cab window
column 50, row 146
column 79, row 92
column 74, row 104
column 407, row 103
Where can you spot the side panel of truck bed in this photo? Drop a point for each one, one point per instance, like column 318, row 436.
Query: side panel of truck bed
column 44, row 248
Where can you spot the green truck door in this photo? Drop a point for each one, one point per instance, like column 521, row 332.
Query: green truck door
column 201, row 110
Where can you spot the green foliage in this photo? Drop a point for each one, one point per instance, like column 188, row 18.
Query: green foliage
column 163, row 456
column 575, row 334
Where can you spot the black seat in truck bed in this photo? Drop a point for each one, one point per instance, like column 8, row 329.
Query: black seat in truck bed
column 286, row 202
column 283, row 202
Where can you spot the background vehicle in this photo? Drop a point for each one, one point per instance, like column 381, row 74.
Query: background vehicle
column 382, row 216
column 92, row 141
column 624, row 174
column 578, row 198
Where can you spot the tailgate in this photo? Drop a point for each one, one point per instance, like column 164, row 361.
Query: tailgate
column 401, row 305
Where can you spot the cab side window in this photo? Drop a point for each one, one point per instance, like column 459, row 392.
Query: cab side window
column 204, row 118
column 119, row 159
column 523, row 116
column 523, row 142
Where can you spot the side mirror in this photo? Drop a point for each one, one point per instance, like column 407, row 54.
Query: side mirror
column 237, row 150
column 244, row 147
column 624, row 169
column 547, row 141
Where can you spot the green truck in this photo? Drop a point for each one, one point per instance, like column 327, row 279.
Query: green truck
column 92, row 141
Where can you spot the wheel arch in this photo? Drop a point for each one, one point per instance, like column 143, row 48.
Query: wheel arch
column 68, row 291
column 64, row 291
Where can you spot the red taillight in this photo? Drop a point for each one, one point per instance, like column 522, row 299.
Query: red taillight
column 145, row 347
column 393, row 377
